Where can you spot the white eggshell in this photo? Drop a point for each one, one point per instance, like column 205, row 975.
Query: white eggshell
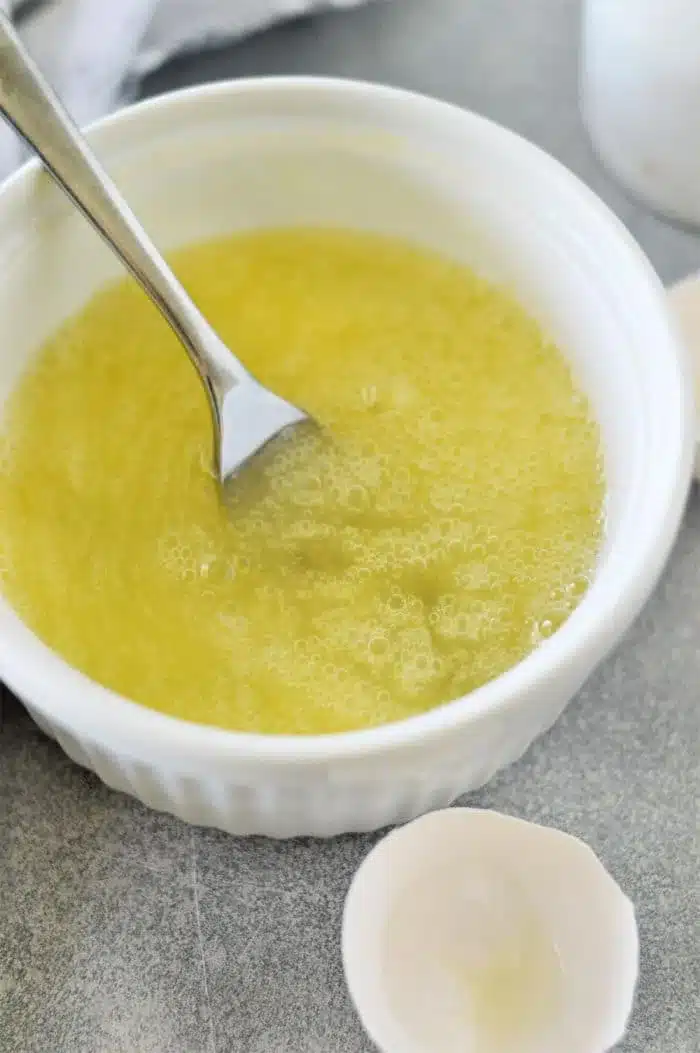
column 473, row 932
column 685, row 301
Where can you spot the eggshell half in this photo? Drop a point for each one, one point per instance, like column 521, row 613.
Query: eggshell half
column 468, row 931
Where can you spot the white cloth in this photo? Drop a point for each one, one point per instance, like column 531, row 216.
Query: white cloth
column 91, row 49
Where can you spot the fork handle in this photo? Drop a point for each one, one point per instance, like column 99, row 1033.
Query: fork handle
column 34, row 110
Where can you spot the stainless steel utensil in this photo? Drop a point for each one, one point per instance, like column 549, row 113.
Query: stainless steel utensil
column 245, row 415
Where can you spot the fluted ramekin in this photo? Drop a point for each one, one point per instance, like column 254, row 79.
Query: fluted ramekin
column 263, row 152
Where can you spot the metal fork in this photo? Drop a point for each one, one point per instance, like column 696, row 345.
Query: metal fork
column 245, row 415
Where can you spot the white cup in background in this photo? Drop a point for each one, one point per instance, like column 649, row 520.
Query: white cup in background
column 640, row 91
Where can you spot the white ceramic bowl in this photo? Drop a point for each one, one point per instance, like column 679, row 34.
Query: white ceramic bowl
column 249, row 153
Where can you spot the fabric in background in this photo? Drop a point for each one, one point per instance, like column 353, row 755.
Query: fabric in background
column 91, row 50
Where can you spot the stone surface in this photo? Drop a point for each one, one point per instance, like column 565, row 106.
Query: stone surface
column 99, row 951
column 121, row 930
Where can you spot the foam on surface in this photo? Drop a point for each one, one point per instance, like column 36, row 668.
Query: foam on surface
column 444, row 521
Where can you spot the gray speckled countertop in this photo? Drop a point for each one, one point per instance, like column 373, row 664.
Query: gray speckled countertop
column 124, row 931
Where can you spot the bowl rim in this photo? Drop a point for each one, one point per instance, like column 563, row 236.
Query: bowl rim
column 73, row 700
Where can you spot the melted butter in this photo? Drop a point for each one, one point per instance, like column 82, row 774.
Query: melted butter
column 453, row 522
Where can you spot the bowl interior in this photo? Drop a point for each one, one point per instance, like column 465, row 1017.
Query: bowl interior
column 239, row 156
column 197, row 169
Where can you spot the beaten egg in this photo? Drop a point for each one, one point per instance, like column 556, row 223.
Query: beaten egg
column 446, row 519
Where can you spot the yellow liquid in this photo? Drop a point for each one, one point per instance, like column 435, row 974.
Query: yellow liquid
column 452, row 523
column 472, row 965
column 514, row 997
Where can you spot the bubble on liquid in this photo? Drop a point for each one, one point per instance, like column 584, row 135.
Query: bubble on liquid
column 378, row 647
column 471, row 576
